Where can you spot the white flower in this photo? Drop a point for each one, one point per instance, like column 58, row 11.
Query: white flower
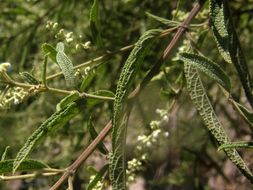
column 166, row 134
column 166, row 118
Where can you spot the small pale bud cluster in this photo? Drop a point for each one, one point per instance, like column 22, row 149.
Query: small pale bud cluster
column 179, row 15
column 84, row 46
column 193, row 34
column 163, row 114
column 76, row 42
column 86, row 70
column 133, row 166
column 147, row 142
column 4, row 67
column 203, row 14
column 183, row 48
column 52, row 25
column 12, row 96
column 84, row 73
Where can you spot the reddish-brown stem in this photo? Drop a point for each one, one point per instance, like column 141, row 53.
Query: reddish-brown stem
column 155, row 69
column 85, row 154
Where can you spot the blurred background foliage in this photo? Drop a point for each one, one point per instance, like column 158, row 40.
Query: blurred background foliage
column 185, row 157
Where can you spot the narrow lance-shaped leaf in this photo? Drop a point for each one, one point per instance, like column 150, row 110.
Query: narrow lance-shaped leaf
column 6, row 166
column 228, row 42
column 215, row 72
column 94, row 23
column 29, row 78
column 167, row 22
column 59, row 118
column 247, row 115
column 5, row 153
column 101, row 147
column 44, row 70
column 93, row 101
column 50, row 50
column 208, row 67
column 206, row 111
column 67, row 100
column 242, row 144
column 98, row 177
column 65, row 64
column 119, row 121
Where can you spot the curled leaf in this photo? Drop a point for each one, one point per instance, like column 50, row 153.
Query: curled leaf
column 208, row 67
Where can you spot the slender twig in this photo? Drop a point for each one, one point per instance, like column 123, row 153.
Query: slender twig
column 85, row 154
column 72, row 168
column 43, row 88
column 70, row 183
column 107, row 55
column 27, row 176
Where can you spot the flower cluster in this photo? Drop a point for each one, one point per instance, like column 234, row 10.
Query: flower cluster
column 147, row 142
column 12, row 96
column 69, row 37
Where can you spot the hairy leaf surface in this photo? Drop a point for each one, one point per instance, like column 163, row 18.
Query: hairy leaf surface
column 203, row 105
column 6, row 166
column 208, row 67
column 228, row 42
column 119, row 121
column 65, row 64
column 241, row 144
column 28, row 77
column 67, row 100
column 59, row 118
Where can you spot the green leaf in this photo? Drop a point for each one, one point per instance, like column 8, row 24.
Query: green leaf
column 65, row 64
column 98, row 177
column 93, row 133
column 94, row 23
column 44, row 70
column 206, row 111
column 208, row 67
column 232, row 145
column 92, row 102
column 6, row 166
column 228, row 43
column 50, row 50
column 67, row 100
column 169, row 23
column 119, row 121
column 247, row 115
column 29, row 78
column 58, row 119
column 87, row 81
column 5, row 153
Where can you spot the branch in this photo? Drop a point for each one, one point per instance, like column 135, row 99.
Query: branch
column 155, row 69
column 107, row 55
